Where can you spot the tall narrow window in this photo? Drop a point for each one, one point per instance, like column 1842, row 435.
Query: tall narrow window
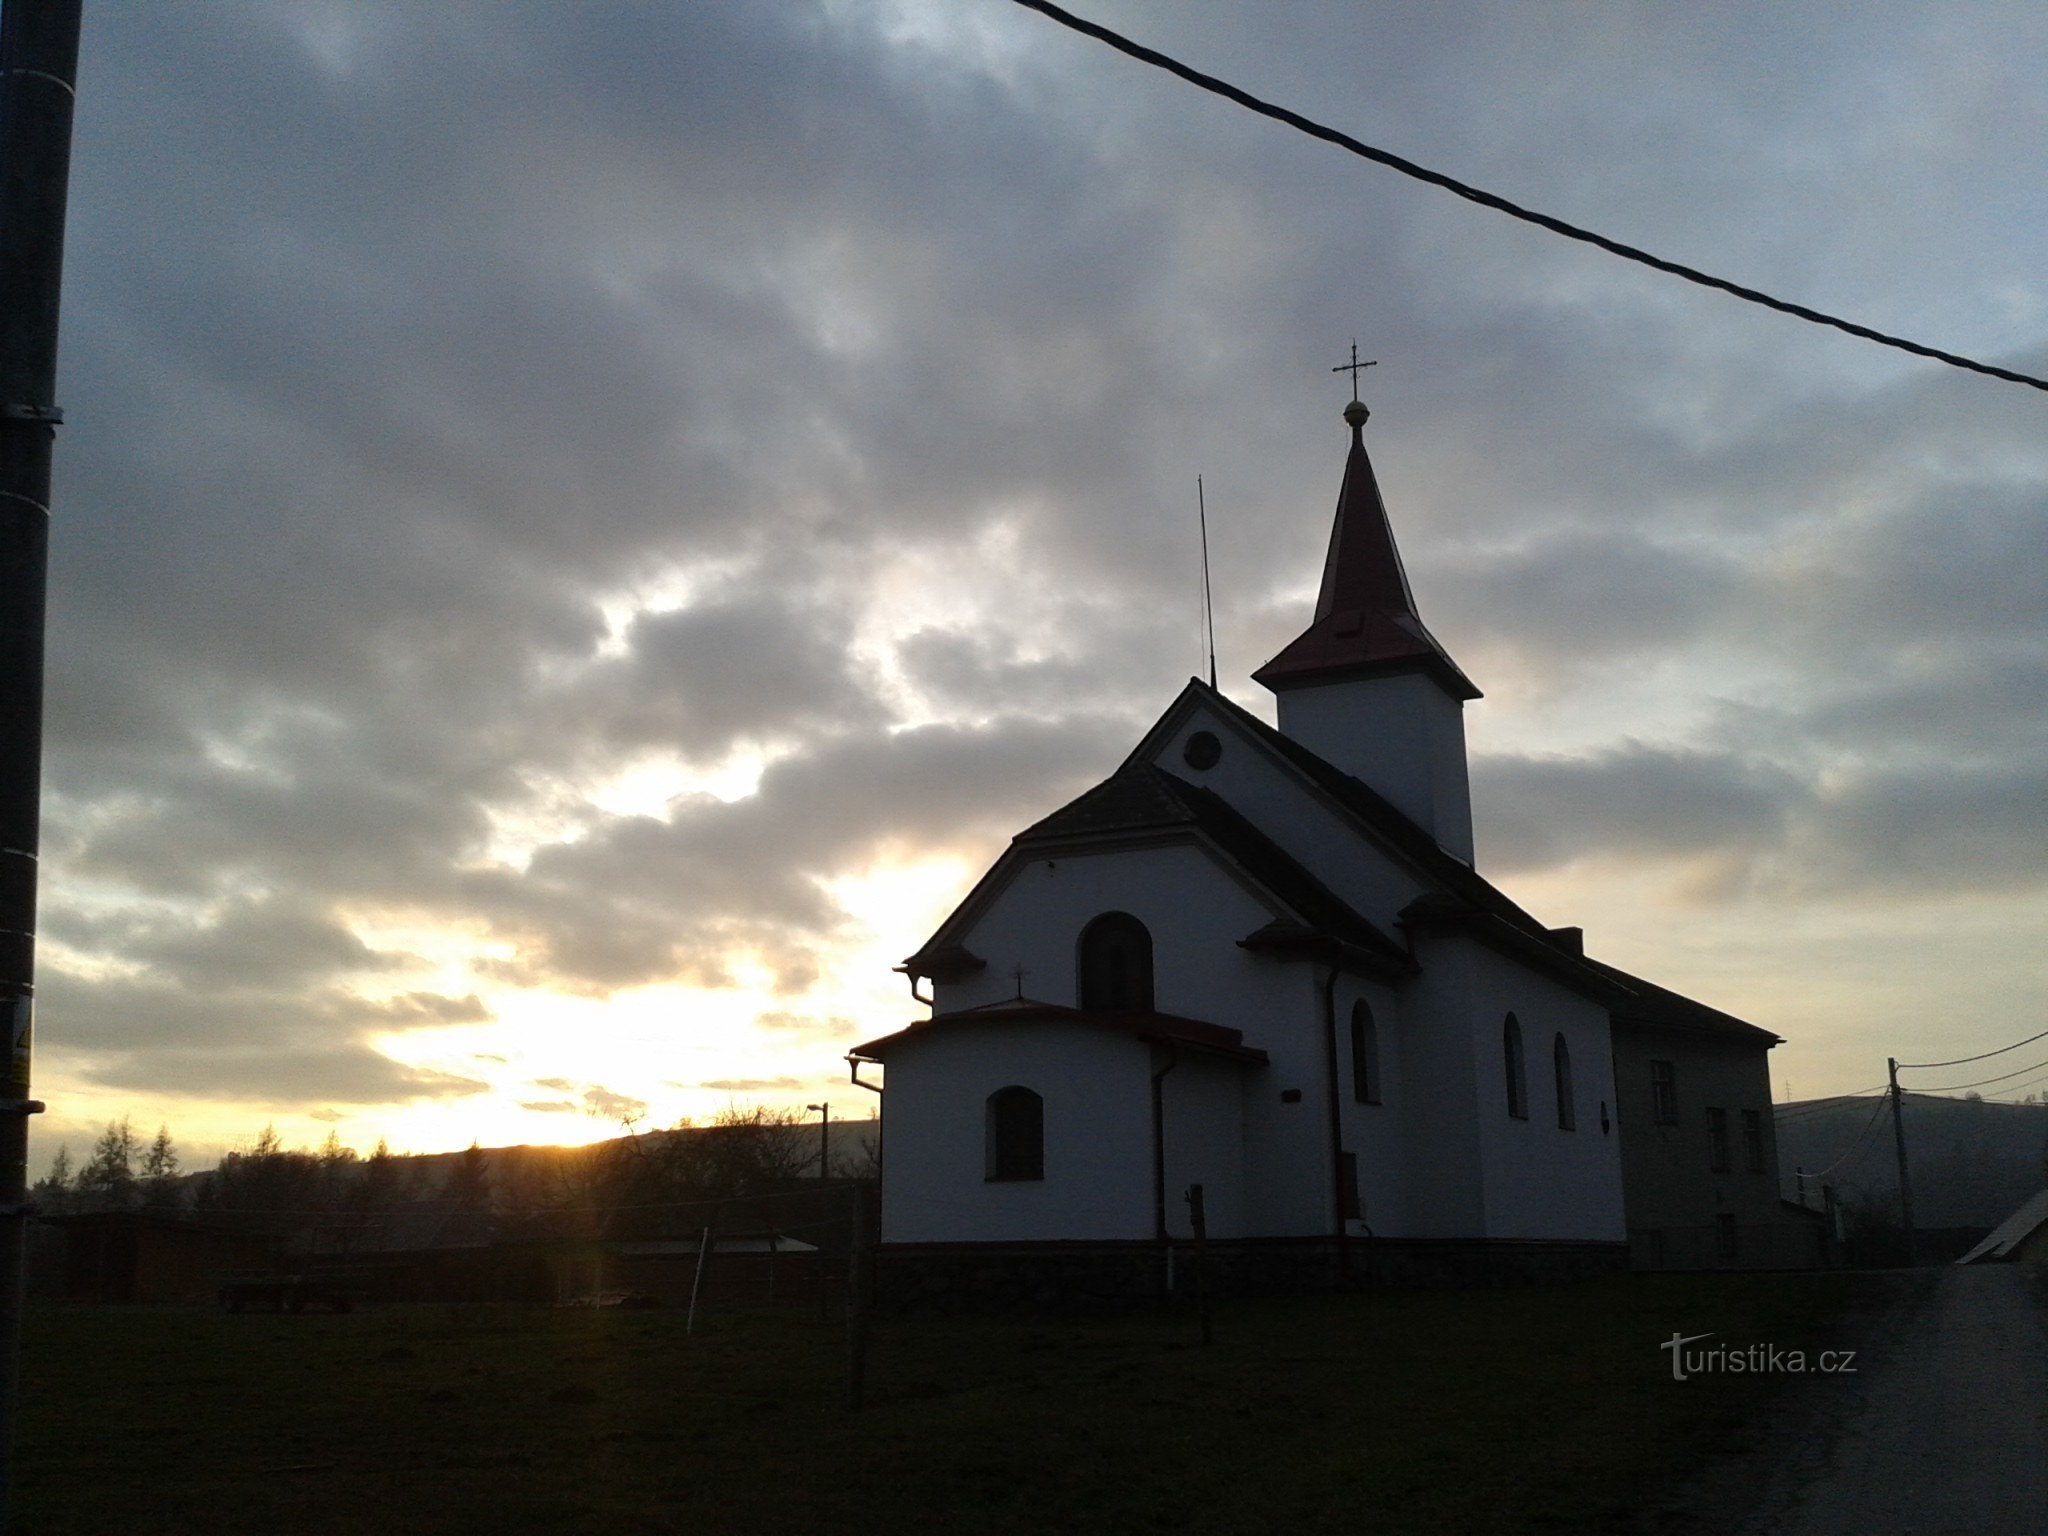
column 1753, row 1140
column 1717, row 1140
column 1365, row 1055
column 1016, row 1135
column 1516, row 1071
column 1663, row 1093
column 1116, row 965
column 1561, row 1080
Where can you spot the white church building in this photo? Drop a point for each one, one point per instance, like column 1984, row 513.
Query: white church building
column 1260, row 961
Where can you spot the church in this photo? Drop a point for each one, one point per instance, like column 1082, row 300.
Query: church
column 1252, row 984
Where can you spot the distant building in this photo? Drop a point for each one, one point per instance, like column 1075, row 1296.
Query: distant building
column 2022, row 1238
column 1261, row 962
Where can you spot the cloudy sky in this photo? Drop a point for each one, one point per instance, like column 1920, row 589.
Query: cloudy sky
column 584, row 527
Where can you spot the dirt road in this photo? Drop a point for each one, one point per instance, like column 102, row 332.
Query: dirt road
column 1944, row 1429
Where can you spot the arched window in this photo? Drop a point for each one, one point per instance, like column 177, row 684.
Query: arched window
column 1561, row 1075
column 1365, row 1055
column 1016, row 1135
column 1517, row 1074
column 1116, row 965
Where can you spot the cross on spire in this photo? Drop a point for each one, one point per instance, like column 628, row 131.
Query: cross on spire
column 1354, row 368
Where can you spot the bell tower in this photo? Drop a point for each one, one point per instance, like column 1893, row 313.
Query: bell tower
column 1366, row 687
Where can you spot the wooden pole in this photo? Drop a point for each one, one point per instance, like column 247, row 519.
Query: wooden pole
column 697, row 1282
column 1905, row 1182
column 1198, row 1218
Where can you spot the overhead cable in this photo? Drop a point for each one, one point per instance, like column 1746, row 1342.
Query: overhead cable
column 1921, row 1066
column 1980, row 1082
column 1857, row 1146
column 1514, row 210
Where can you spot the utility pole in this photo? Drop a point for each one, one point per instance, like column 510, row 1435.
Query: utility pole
column 824, row 1138
column 1905, row 1183
column 38, row 76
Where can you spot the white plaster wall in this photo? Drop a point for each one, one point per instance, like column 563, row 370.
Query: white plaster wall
column 1294, row 815
column 1438, row 1111
column 1402, row 735
column 1375, row 1131
column 1098, row 1136
column 1196, row 912
column 1287, row 1144
column 1541, row 1181
column 1203, row 1103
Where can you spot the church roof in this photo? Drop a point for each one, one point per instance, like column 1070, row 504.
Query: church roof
column 1365, row 623
column 1657, row 1007
column 1157, row 1028
column 1464, row 898
column 1142, row 797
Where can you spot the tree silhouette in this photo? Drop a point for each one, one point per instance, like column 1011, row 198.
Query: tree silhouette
column 107, row 1181
column 53, row 1191
column 160, row 1189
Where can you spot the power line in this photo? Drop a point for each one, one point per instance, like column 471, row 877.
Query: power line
column 1921, row 1066
column 1862, row 1137
column 1486, row 199
column 2017, row 1087
column 1958, row 1087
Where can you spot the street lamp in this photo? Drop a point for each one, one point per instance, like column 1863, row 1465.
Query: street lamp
column 824, row 1138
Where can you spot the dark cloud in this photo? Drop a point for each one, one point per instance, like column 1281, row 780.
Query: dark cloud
column 1979, row 829
column 603, row 1101
column 644, row 898
column 1636, row 801
column 654, row 383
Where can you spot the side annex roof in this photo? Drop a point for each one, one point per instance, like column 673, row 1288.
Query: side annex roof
column 1645, row 1003
column 1169, row 1029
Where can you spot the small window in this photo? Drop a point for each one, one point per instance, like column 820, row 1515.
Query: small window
column 1515, row 1070
column 1116, row 965
column 1726, row 1243
column 1753, row 1140
column 1016, row 1135
column 1663, row 1093
column 1347, row 1186
column 1717, row 1139
column 1365, row 1055
column 1561, row 1080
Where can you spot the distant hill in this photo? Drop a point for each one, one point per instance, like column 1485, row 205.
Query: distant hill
column 1972, row 1162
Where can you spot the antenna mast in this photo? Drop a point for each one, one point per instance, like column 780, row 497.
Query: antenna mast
column 1208, row 603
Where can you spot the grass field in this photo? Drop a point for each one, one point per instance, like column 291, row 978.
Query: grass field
column 1544, row 1410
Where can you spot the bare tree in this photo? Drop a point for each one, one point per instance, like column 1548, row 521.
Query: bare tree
column 53, row 1191
column 160, row 1189
column 107, row 1181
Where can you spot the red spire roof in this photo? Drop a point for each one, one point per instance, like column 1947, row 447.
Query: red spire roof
column 1365, row 623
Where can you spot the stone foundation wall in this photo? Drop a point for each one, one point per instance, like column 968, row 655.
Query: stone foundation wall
column 1047, row 1277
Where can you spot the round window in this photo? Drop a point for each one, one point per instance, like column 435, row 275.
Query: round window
column 1202, row 750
